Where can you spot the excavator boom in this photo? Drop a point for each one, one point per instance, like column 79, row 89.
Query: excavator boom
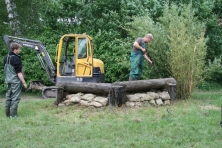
column 41, row 52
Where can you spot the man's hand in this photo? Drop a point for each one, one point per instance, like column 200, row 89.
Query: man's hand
column 144, row 50
column 151, row 62
column 25, row 85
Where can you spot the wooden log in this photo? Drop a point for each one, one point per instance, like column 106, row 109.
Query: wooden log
column 145, row 85
column 128, row 86
column 86, row 87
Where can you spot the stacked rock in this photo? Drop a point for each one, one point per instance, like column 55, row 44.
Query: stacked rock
column 84, row 100
column 149, row 98
column 132, row 100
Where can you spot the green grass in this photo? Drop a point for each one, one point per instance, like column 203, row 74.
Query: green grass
column 193, row 123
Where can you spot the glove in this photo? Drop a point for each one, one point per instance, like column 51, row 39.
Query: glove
column 25, row 85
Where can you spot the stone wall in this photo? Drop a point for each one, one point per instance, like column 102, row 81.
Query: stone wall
column 132, row 100
column 148, row 98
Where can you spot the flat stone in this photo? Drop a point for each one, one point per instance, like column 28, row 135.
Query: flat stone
column 133, row 98
column 153, row 95
column 96, row 104
column 166, row 102
column 159, row 102
column 101, row 100
column 164, row 95
column 152, row 102
column 130, row 104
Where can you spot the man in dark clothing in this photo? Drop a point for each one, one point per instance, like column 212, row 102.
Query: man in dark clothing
column 137, row 57
column 14, row 80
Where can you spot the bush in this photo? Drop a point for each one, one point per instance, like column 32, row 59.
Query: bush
column 114, row 53
column 209, row 85
column 213, row 71
column 156, row 48
column 178, row 47
column 187, row 48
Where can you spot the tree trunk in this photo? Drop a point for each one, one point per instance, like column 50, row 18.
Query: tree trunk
column 13, row 17
column 125, row 86
column 144, row 85
column 85, row 87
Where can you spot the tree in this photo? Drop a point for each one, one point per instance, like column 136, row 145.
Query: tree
column 105, row 21
column 13, row 17
column 4, row 29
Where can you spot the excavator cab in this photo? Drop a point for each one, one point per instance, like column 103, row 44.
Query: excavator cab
column 74, row 60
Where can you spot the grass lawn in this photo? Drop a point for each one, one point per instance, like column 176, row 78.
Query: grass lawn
column 192, row 123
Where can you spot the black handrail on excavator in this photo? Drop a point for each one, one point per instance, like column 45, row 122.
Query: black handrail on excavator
column 47, row 64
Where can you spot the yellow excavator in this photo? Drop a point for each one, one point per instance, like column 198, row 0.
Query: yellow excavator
column 74, row 61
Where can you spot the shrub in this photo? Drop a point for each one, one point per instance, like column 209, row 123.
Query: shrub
column 178, row 47
column 187, row 48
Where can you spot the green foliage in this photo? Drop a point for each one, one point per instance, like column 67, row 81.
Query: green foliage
column 63, row 16
column 187, row 48
column 30, row 15
column 115, row 55
column 4, row 29
column 209, row 86
column 214, row 33
column 179, row 46
column 217, row 8
column 105, row 21
column 209, row 11
column 156, row 49
column 213, row 70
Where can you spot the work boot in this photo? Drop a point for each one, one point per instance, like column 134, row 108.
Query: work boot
column 7, row 112
column 13, row 113
column 132, row 79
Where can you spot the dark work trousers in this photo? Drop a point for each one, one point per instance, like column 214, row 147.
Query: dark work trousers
column 13, row 97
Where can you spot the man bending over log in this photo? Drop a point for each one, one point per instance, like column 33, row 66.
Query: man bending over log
column 137, row 57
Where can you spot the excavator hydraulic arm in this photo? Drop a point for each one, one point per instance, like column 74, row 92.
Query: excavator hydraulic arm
column 41, row 52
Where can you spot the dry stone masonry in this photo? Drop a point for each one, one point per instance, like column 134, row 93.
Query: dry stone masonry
column 149, row 98
column 132, row 100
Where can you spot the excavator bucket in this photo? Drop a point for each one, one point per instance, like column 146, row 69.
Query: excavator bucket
column 38, row 85
column 47, row 91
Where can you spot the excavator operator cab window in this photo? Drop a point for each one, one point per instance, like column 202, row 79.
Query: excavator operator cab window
column 67, row 61
column 82, row 53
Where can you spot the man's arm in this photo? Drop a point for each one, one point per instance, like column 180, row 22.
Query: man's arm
column 20, row 75
column 136, row 45
column 147, row 58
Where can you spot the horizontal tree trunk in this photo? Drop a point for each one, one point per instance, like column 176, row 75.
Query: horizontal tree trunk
column 125, row 86
column 144, row 85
